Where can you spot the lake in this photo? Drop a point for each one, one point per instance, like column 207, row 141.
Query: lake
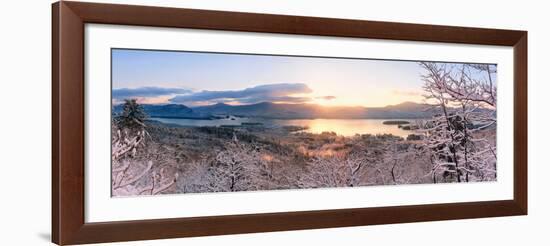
column 345, row 127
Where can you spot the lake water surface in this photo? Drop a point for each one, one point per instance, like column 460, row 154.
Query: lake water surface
column 346, row 127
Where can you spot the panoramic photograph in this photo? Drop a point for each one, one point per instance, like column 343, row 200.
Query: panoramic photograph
column 201, row 122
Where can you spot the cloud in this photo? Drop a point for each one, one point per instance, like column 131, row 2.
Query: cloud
column 263, row 93
column 326, row 97
column 284, row 99
column 147, row 92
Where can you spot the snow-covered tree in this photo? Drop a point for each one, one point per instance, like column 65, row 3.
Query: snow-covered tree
column 466, row 97
column 132, row 115
column 130, row 176
column 339, row 170
column 239, row 167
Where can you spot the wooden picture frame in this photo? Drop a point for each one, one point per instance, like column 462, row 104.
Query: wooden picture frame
column 68, row 110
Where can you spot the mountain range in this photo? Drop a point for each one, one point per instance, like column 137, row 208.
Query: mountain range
column 406, row 110
column 176, row 111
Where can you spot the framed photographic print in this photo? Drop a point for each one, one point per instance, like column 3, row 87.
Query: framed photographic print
column 176, row 122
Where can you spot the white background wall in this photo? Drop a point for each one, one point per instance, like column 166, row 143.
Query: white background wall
column 25, row 124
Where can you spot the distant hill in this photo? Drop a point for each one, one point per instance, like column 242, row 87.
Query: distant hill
column 407, row 110
column 169, row 111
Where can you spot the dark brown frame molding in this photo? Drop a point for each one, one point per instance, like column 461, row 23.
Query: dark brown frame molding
column 68, row 224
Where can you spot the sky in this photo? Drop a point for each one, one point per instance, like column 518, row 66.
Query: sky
column 195, row 79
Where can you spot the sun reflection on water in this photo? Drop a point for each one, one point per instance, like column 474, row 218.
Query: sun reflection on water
column 349, row 127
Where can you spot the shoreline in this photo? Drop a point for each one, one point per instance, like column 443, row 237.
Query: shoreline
column 259, row 127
